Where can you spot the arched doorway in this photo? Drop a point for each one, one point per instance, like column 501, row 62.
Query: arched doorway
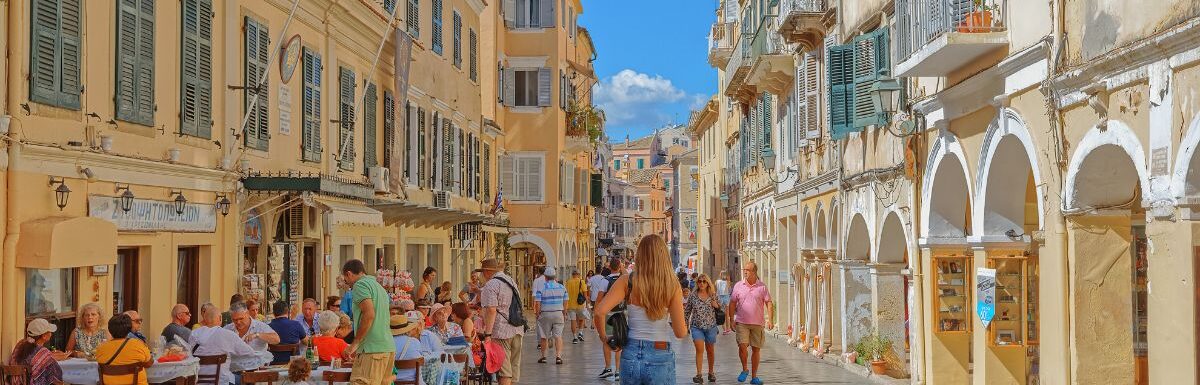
column 945, row 220
column 1107, row 240
column 891, row 290
column 856, row 282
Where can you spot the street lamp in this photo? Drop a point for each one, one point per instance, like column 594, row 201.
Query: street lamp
column 885, row 94
column 61, row 193
column 126, row 198
column 180, row 201
column 223, row 204
column 768, row 160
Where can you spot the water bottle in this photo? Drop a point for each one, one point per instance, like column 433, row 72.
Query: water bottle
column 310, row 357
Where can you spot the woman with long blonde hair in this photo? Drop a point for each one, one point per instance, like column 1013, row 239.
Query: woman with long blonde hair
column 88, row 333
column 655, row 315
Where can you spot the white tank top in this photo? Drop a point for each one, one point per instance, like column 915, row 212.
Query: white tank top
column 642, row 328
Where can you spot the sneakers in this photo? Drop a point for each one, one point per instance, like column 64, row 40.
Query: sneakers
column 606, row 373
column 755, row 381
column 579, row 335
column 712, row 377
column 698, row 379
column 575, row 341
column 616, row 377
column 742, row 377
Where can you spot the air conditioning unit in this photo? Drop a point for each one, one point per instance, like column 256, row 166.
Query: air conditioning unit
column 441, row 199
column 380, row 178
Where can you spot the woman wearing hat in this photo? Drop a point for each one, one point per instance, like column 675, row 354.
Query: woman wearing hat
column 449, row 332
column 32, row 353
column 406, row 335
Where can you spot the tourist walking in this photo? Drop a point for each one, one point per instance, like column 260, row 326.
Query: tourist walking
column 538, row 283
column 31, row 353
column 723, row 291
column 655, row 314
column 549, row 306
column 612, row 365
column 502, row 319
column 577, row 298
column 88, row 335
column 750, row 303
column 372, row 347
column 700, row 309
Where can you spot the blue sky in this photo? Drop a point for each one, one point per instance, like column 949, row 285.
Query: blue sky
column 652, row 61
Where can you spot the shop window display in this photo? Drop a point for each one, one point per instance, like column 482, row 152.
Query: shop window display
column 1015, row 322
column 952, row 293
column 50, row 294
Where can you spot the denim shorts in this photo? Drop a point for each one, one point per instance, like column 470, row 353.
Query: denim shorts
column 707, row 335
column 642, row 364
column 723, row 299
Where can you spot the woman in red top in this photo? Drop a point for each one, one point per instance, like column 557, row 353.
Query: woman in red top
column 327, row 344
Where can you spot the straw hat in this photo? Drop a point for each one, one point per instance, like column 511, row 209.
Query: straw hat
column 401, row 325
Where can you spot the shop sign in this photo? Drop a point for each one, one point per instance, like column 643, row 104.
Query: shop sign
column 985, row 283
column 285, row 110
column 289, row 58
column 252, row 230
column 152, row 215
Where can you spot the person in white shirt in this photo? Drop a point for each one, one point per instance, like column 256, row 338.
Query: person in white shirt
column 210, row 339
column 596, row 284
column 256, row 333
column 538, row 284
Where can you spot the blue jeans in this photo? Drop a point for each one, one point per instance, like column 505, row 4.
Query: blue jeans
column 642, row 364
column 708, row 335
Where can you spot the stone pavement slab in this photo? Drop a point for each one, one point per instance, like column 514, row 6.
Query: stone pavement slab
column 780, row 364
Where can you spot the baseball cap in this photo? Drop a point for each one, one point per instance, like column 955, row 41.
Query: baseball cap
column 39, row 326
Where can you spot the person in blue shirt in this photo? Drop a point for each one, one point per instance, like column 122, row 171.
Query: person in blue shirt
column 549, row 306
column 290, row 331
column 405, row 334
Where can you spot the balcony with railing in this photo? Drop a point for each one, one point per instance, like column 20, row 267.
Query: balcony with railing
column 737, row 69
column 772, row 67
column 720, row 43
column 804, row 22
column 936, row 37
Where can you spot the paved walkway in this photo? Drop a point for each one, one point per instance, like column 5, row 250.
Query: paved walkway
column 780, row 364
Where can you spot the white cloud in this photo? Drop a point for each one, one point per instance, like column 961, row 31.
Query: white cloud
column 631, row 99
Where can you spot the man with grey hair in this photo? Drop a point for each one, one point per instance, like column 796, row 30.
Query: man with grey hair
column 256, row 333
column 178, row 330
column 210, row 339
column 136, row 331
column 308, row 317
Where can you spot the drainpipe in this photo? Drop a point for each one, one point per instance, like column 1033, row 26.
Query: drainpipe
column 1058, row 37
column 9, row 322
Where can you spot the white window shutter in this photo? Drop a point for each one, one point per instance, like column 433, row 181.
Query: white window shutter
column 569, row 171
column 510, row 86
column 544, row 86
column 413, row 163
column 506, row 176
column 510, row 12
column 812, row 96
column 546, row 15
column 534, row 181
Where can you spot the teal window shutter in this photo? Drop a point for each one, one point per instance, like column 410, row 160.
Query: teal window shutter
column 257, row 45
column 195, row 112
column 437, row 27
column 840, row 66
column 370, row 110
column 413, row 21
column 389, row 127
column 55, row 52
column 457, row 37
column 311, row 144
column 346, row 119
column 135, row 61
column 389, row 5
column 869, row 57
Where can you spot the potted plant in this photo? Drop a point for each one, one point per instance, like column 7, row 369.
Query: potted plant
column 873, row 347
column 979, row 19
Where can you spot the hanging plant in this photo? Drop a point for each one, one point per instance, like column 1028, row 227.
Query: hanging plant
column 734, row 224
column 585, row 120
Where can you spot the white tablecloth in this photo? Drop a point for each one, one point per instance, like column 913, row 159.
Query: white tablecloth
column 84, row 372
column 315, row 376
column 249, row 362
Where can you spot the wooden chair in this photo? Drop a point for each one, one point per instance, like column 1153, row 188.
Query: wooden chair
column 8, row 372
column 288, row 348
column 182, row 381
column 121, row 370
column 260, row 377
column 414, row 364
column 331, row 377
column 215, row 378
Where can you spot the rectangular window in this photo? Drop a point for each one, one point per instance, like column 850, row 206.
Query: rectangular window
column 530, row 88
column 457, row 39
column 256, row 133
column 311, row 144
column 474, row 54
column 413, row 21
column 641, row 164
column 195, row 110
column 56, row 40
column 370, row 110
column 616, row 165
column 437, row 27
column 135, row 62
column 523, row 175
column 346, row 119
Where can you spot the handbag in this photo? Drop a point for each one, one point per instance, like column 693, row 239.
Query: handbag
column 620, row 323
column 719, row 314
column 579, row 298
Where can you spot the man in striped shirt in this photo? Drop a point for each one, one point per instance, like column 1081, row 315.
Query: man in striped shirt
column 548, row 305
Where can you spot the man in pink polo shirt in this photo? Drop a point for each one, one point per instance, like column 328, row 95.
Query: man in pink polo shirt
column 750, row 304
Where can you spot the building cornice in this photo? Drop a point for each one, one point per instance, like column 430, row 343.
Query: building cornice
column 65, row 162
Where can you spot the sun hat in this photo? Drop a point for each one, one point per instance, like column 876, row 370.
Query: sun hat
column 550, row 272
column 415, row 317
column 437, row 307
column 400, row 325
column 38, row 327
column 490, row 264
column 495, row 355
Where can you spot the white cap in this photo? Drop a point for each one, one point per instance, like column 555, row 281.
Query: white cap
column 550, row 272
column 39, row 326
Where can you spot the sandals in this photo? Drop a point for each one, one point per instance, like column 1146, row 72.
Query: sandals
column 711, row 377
column 698, row 379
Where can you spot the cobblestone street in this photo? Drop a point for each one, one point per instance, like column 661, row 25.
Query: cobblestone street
column 780, row 365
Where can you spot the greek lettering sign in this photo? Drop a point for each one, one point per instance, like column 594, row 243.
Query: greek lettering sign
column 152, row 215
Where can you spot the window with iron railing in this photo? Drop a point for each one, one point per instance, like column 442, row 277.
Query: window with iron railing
column 919, row 22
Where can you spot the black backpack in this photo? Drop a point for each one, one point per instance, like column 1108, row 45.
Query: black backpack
column 516, row 315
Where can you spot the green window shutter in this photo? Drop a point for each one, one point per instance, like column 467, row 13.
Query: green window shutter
column 437, row 27
column 457, row 38
column 370, row 110
column 840, row 66
column 55, row 50
column 389, row 128
column 474, row 55
column 135, row 61
column 866, row 73
column 195, row 112
column 257, row 133
column 311, row 143
column 70, row 49
column 346, row 119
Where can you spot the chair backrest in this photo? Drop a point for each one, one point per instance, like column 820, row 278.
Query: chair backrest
column 10, row 371
column 214, row 378
column 260, row 377
column 331, row 377
column 415, row 364
column 121, row 370
column 289, row 348
column 456, row 358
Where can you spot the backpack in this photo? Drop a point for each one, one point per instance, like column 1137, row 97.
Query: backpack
column 516, row 316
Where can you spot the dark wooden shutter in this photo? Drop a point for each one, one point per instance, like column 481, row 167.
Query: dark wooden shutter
column 257, row 45
column 457, row 39
column 474, row 55
column 346, row 118
column 134, row 91
column 195, row 112
column 311, row 143
column 421, row 165
column 487, row 171
column 840, row 65
column 370, row 111
column 389, row 127
column 437, row 27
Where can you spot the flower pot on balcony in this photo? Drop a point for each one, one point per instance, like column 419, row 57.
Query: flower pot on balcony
column 977, row 22
column 878, row 367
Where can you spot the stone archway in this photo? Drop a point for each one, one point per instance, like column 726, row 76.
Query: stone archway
column 947, row 197
column 890, row 290
column 821, row 226
column 856, row 282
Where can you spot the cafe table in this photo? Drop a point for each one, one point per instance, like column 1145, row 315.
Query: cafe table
column 83, row 372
